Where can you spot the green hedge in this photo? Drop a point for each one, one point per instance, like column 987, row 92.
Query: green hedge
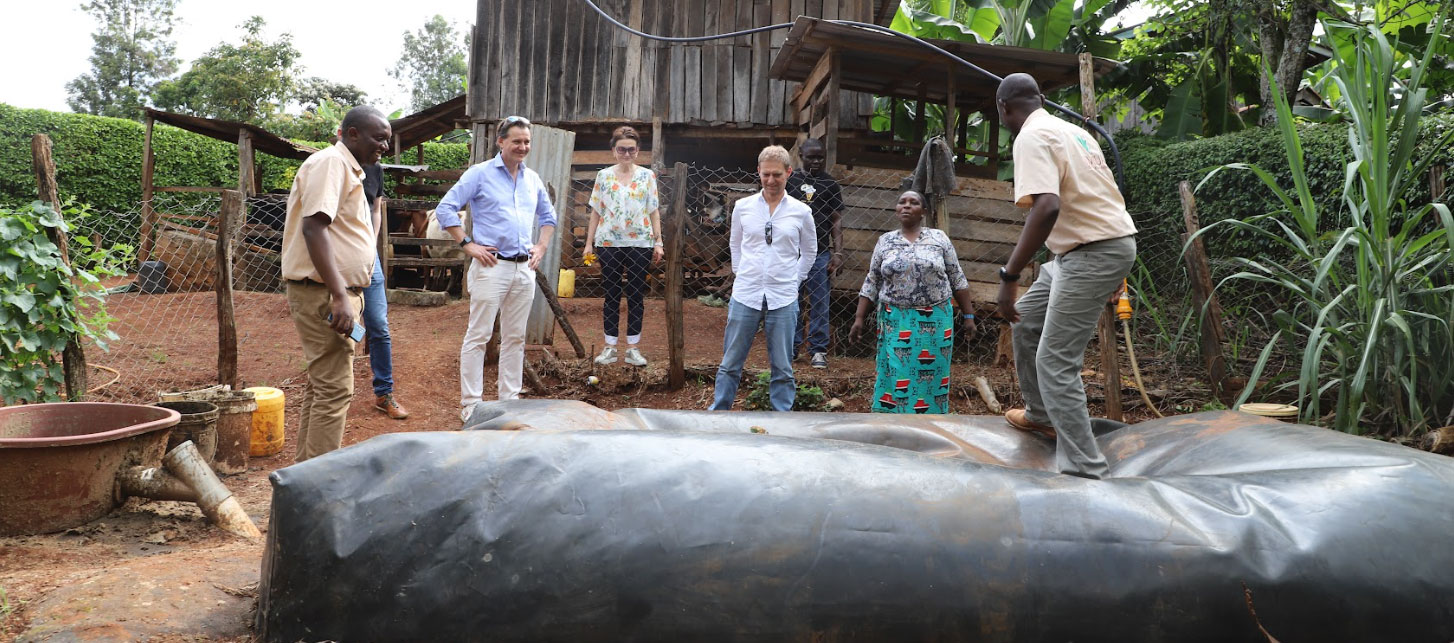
column 1154, row 167
column 98, row 159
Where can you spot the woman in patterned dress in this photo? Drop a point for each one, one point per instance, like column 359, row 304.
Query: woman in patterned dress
column 911, row 278
column 625, row 230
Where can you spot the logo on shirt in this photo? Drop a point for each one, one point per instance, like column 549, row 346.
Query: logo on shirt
column 808, row 192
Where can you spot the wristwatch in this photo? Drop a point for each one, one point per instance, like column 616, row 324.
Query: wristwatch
column 467, row 240
column 1007, row 277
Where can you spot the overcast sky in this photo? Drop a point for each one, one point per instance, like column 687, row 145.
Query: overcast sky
column 50, row 41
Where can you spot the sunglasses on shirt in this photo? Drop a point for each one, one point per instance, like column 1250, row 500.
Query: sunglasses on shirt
column 767, row 232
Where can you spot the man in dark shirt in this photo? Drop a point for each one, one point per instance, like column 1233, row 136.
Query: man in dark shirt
column 376, row 311
column 821, row 192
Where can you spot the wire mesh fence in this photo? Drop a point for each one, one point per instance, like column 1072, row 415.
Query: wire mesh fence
column 165, row 311
column 978, row 217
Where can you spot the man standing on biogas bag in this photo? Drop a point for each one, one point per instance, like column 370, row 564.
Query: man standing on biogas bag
column 328, row 258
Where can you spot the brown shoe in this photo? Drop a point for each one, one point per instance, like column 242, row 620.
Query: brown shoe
column 1019, row 419
column 390, row 407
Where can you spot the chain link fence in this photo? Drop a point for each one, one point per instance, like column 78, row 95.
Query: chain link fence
column 165, row 310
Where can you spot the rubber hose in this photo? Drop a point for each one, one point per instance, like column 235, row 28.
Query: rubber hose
column 1136, row 371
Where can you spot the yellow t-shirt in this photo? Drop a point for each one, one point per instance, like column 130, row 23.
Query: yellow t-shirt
column 1056, row 157
column 331, row 182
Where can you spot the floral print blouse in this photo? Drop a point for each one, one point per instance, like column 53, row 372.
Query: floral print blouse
column 918, row 274
column 625, row 209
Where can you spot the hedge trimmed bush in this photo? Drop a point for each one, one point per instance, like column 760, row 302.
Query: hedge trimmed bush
column 98, row 159
column 1154, row 167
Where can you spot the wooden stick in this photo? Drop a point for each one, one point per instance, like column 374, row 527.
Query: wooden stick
column 1110, row 365
column 245, row 160
column 987, row 394
column 148, row 166
column 203, row 233
column 534, row 378
column 560, row 316
column 1205, row 299
column 675, row 239
column 227, row 219
column 73, row 357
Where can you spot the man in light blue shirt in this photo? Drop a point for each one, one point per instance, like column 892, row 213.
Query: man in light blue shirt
column 506, row 200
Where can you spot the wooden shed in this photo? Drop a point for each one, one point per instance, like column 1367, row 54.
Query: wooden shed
column 559, row 63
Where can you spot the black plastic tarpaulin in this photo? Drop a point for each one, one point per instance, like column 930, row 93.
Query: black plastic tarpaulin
column 706, row 530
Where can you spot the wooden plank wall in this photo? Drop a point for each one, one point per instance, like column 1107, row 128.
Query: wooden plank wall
column 983, row 223
column 556, row 61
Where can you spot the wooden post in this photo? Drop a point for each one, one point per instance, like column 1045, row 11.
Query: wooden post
column 1110, row 364
column 560, row 316
column 148, row 214
column 1436, row 184
column 834, row 115
column 1209, row 310
column 920, row 119
column 674, row 239
column 1088, row 86
column 382, row 242
column 245, row 158
column 951, row 115
column 994, row 143
column 73, row 357
column 228, row 218
column 658, row 146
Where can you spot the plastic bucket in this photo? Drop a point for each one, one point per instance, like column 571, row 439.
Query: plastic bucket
column 1284, row 412
column 267, row 421
column 234, row 431
column 151, row 277
column 198, row 424
column 566, row 287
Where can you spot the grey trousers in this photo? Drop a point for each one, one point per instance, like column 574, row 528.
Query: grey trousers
column 1058, row 315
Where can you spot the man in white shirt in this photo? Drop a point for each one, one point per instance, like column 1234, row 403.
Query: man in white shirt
column 774, row 244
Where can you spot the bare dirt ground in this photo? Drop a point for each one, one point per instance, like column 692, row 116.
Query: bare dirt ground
column 156, row 570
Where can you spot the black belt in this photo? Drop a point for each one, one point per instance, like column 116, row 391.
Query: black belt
column 310, row 282
column 513, row 258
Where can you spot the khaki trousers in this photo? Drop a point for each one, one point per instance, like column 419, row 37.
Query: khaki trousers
column 330, row 368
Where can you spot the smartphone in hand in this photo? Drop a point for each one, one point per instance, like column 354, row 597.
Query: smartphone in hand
column 357, row 334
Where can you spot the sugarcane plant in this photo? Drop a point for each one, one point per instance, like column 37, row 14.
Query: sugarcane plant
column 1366, row 303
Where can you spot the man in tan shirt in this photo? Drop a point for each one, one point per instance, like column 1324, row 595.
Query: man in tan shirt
column 1076, row 211
column 328, row 259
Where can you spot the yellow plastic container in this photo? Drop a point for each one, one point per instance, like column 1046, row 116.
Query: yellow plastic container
column 267, row 421
column 566, row 288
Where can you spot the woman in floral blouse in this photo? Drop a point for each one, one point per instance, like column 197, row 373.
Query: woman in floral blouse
column 911, row 278
column 625, row 230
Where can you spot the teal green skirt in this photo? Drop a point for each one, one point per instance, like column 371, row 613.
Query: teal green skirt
column 914, row 346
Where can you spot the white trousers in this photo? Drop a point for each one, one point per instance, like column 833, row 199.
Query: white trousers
column 506, row 289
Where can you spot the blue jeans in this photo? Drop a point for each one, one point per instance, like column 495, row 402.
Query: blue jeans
column 737, row 341
column 376, row 325
column 815, row 291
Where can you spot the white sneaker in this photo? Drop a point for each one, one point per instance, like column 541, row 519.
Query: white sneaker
column 634, row 357
column 607, row 356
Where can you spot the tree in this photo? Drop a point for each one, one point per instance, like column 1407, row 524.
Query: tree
column 248, row 82
column 433, row 66
column 130, row 51
column 313, row 92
